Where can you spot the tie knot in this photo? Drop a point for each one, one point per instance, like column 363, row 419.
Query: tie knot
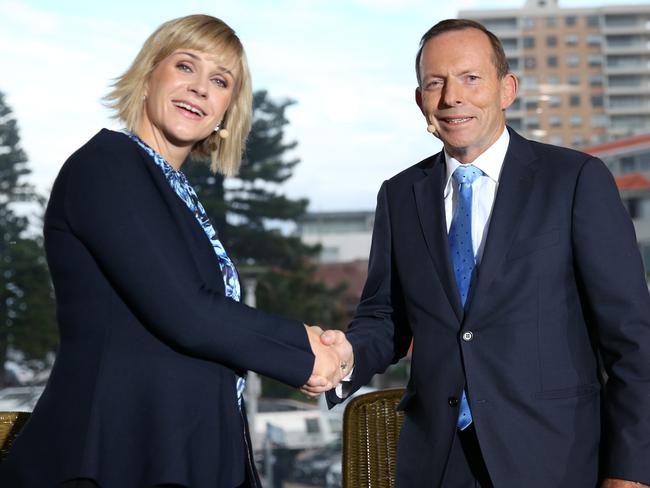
column 466, row 174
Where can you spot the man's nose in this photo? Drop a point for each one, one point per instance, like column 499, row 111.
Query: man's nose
column 451, row 94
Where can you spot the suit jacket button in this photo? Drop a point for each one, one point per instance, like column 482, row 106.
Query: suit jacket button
column 453, row 401
column 468, row 336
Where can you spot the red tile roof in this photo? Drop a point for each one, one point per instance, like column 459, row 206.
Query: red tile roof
column 633, row 181
column 618, row 144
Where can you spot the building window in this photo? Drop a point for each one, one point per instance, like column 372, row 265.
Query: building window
column 529, row 42
column 516, row 105
column 529, row 82
column 624, row 41
column 593, row 21
column 530, row 62
column 532, row 123
column 621, row 20
column 599, row 120
column 577, row 140
column 515, row 124
column 551, row 41
column 596, row 80
column 528, row 22
column 576, row 120
column 594, row 39
column 556, row 140
column 509, row 44
column 312, row 425
column 572, row 60
column 597, row 101
column 571, row 39
column 553, row 80
column 555, row 121
column 625, row 81
column 626, row 101
column 574, row 100
column 513, row 63
column 532, row 104
column 500, row 24
column 573, row 80
column 570, row 20
column 551, row 61
column 554, row 100
column 595, row 59
column 550, row 21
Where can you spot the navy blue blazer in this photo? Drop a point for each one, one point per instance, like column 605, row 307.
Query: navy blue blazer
column 143, row 391
column 560, row 293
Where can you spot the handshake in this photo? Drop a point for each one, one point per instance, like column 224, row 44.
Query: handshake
column 334, row 360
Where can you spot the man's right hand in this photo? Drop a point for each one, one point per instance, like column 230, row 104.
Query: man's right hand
column 328, row 369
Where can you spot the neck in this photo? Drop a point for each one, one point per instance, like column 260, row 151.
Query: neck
column 174, row 154
column 467, row 155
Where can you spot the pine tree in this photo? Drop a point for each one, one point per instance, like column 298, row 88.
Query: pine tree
column 242, row 210
column 26, row 301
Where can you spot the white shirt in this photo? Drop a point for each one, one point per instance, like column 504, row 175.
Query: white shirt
column 484, row 190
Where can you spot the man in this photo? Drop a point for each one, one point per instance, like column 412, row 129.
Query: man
column 513, row 267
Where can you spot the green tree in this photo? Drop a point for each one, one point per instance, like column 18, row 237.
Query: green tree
column 248, row 212
column 26, row 304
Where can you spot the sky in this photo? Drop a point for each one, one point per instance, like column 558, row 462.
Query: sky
column 348, row 65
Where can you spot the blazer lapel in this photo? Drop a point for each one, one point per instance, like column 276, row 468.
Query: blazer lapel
column 201, row 249
column 429, row 198
column 515, row 182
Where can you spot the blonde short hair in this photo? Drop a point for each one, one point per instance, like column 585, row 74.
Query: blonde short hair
column 202, row 33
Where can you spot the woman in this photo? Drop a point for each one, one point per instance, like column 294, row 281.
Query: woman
column 146, row 389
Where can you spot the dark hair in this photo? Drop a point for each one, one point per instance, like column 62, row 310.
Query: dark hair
column 498, row 55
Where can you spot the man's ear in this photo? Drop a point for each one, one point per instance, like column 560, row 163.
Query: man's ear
column 418, row 100
column 509, row 87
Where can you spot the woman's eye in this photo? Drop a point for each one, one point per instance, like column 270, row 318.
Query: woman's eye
column 184, row 67
column 220, row 82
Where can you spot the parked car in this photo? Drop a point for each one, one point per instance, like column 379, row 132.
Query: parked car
column 334, row 476
column 20, row 398
column 311, row 466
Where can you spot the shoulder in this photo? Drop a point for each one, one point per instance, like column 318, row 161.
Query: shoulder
column 549, row 157
column 104, row 146
column 108, row 155
column 416, row 172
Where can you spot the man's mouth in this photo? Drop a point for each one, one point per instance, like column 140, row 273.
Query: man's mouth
column 455, row 120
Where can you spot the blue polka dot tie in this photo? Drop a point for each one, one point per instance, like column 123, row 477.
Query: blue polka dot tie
column 462, row 254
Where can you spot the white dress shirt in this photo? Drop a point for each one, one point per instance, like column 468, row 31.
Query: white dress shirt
column 484, row 190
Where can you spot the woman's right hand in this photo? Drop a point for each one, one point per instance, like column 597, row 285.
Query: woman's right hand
column 327, row 371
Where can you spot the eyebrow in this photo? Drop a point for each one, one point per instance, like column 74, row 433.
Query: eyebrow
column 222, row 69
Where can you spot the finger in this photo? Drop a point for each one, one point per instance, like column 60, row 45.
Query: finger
column 314, row 390
column 316, row 328
column 329, row 337
column 316, row 380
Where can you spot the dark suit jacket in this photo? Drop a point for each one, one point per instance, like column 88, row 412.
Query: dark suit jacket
column 560, row 285
column 143, row 389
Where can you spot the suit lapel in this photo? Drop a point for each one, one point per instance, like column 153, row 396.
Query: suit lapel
column 429, row 198
column 515, row 182
column 200, row 247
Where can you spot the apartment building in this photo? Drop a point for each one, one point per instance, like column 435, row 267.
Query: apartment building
column 584, row 72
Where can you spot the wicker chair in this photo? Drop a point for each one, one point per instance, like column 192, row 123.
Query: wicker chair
column 10, row 425
column 371, row 427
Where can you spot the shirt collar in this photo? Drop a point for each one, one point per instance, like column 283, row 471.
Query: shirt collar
column 490, row 161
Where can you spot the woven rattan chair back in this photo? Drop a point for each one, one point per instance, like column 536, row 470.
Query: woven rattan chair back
column 371, row 427
column 10, row 425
